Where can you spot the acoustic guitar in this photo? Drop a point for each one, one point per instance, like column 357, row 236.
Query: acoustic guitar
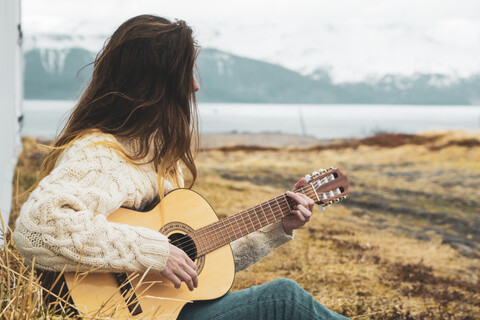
column 190, row 223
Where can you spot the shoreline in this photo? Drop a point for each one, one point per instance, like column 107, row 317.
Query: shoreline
column 278, row 140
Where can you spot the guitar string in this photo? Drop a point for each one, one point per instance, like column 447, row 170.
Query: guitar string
column 212, row 244
column 208, row 230
column 244, row 230
column 229, row 221
column 232, row 220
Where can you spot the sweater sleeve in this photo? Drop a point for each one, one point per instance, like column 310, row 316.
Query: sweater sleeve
column 64, row 222
column 255, row 246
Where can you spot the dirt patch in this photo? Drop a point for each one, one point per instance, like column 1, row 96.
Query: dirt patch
column 393, row 140
column 242, row 148
column 383, row 140
column 468, row 143
column 419, row 281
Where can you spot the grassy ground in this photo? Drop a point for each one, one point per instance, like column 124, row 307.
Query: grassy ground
column 405, row 245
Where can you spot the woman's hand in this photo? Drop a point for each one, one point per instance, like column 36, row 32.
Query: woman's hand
column 180, row 268
column 301, row 212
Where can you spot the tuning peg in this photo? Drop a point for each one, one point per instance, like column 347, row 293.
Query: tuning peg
column 314, row 173
column 321, row 170
column 308, row 178
column 329, row 203
column 330, row 169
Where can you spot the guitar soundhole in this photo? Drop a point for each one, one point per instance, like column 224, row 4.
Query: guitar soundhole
column 178, row 232
column 185, row 243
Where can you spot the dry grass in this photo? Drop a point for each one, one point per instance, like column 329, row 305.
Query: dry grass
column 405, row 245
column 20, row 292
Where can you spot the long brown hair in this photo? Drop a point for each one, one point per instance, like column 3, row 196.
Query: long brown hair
column 142, row 89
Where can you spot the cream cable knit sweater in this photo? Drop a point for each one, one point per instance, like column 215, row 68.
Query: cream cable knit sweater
column 64, row 221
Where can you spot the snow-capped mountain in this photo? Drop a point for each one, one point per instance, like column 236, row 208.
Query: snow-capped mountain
column 62, row 73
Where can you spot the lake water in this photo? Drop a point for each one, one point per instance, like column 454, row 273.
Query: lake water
column 43, row 118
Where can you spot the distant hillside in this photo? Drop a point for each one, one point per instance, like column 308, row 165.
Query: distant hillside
column 54, row 74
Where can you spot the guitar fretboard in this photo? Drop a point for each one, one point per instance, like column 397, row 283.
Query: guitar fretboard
column 225, row 231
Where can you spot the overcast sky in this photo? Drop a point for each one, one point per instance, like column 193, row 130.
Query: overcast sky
column 50, row 15
column 391, row 36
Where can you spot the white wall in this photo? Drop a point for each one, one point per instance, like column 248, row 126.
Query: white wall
column 11, row 92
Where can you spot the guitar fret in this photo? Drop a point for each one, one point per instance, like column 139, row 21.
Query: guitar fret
column 286, row 200
column 230, row 224
column 253, row 226
column 239, row 229
column 208, row 235
column 224, row 240
column 318, row 198
column 256, row 215
column 281, row 210
column 208, row 242
column 212, row 233
column 228, row 231
column 269, row 207
column 246, row 228
column 219, row 242
column 244, row 225
column 204, row 240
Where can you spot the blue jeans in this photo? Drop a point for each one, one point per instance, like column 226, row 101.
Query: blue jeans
column 278, row 299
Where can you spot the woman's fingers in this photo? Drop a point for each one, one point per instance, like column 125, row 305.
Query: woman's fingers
column 299, row 215
column 191, row 268
column 305, row 212
column 300, row 183
column 172, row 278
column 186, row 272
column 191, row 263
column 187, row 278
column 192, row 273
column 310, row 203
column 180, row 268
column 302, row 213
column 301, row 199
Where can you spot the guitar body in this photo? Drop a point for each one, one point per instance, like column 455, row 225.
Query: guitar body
column 179, row 212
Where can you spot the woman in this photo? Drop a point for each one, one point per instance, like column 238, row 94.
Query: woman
column 133, row 125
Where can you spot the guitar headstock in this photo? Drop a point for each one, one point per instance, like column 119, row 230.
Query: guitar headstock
column 326, row 187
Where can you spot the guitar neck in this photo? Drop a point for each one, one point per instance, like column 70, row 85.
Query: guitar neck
column 225, row 231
